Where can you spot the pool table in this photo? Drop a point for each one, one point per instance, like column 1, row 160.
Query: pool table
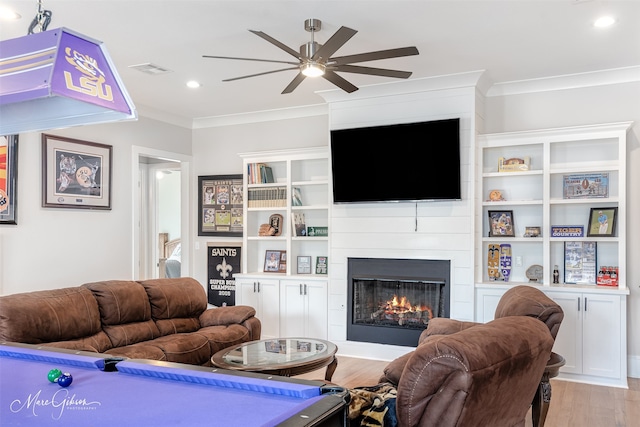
column 121, row 392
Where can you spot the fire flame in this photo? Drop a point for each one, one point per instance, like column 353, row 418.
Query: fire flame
column 403, row 305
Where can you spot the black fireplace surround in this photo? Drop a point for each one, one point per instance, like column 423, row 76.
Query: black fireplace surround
column 392, row 300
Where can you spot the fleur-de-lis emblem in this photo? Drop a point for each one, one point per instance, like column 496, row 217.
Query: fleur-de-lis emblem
column 224, row 268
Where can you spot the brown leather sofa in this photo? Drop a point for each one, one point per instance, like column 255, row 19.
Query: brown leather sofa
column 159, row 319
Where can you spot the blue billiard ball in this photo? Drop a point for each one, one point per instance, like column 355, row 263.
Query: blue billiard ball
column 65, row 380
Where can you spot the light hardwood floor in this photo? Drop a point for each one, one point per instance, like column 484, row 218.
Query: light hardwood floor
column 572, row 404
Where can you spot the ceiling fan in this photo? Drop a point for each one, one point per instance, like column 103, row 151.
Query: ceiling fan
column 315, row 60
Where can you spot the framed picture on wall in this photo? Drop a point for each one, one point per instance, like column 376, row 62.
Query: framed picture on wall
column 220, row 202
column 8, row 178
column 75, row 174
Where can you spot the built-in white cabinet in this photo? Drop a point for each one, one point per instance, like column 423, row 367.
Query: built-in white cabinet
column 533, row 190
column 303, row 308
column 590, row 336
column 263, row 295
column 297, row 185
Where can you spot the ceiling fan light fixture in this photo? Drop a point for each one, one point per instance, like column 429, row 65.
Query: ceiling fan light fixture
column 312, row 69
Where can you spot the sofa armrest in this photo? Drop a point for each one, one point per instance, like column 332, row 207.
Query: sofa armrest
column 444, row 326
column 221, row 316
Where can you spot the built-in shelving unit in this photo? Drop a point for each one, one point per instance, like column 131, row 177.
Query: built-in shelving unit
column 284, row 298
column 536, row 198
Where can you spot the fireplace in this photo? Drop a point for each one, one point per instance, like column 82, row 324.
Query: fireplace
column 392, row 300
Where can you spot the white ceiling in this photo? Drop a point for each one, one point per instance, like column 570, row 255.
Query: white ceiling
column 512, row 40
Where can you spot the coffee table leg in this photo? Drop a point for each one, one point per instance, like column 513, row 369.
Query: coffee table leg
column 331, row 369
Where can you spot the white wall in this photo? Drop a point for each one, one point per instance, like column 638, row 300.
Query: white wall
column 54, row 248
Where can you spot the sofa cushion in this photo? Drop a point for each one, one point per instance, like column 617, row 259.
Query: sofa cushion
column 176, row 304
column 46, row 316
column 192, row 349
column 98, row 343
column 125, row 311
column 142, row 350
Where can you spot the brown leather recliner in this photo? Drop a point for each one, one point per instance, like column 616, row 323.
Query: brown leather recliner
column 481, row 376
column 517, row 301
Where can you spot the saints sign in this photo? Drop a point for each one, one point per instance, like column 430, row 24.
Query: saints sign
column 223, row 260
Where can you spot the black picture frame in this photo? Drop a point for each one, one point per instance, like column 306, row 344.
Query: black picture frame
column 501, row 224
column 76, row 174
column 602, row 222
column 8, row 179
column 220, row 205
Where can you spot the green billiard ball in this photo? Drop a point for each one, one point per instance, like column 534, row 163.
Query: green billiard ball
column 54, row 374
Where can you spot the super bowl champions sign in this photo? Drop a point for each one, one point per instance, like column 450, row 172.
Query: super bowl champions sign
column 223, row 261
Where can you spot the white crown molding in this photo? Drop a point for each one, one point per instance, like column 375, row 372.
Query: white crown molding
column 261, row 116
column 152, row 113
column 568, row 81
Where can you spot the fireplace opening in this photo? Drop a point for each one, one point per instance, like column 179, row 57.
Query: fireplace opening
column 392, row 300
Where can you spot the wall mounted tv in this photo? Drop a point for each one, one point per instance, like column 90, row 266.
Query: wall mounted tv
column 394, row 163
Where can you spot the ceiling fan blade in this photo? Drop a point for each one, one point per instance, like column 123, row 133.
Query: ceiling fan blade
column 260, row 74
column 372, row 71
column 277, row 43
column 339, row 81
column 294, row 83
column 334, row 43
column 373, row 56
column 250, row 59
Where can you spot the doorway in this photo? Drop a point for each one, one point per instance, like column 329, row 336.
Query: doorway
column 161, row 205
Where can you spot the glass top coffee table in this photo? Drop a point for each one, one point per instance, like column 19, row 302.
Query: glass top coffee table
column 280, row 356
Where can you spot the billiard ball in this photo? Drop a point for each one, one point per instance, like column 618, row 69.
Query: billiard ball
column 54, row 374
column 65, row 380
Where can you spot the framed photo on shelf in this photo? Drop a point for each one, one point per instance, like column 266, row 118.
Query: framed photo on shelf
column 75, row 173
column 602, row 222
column 304, row 264
column 8, row 178
column 501, row 224
column 275, row 261
column 322, row 264
column 580, row 262
column 532, row 232
column 220, row 203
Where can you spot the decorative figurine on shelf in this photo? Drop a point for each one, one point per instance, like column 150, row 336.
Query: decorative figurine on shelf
column 556, row 274
column 495, row 196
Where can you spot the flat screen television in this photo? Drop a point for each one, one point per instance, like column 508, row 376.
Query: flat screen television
column 394, row 163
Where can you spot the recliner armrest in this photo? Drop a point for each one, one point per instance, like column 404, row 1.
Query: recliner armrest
column 444, row 326
column 226, row 315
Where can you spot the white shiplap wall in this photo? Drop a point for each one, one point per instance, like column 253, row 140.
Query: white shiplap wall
column 424, row 230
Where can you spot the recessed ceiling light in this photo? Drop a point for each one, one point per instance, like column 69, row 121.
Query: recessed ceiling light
column 7, row 14
column 193, row 84
column 604, row 21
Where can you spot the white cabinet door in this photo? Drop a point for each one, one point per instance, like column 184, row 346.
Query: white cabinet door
column 303, row 308
column 601, row 335
column 264, row 296
column 486, row 302
column 569, row 339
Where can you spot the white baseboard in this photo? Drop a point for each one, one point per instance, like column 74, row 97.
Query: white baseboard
column 633, row 366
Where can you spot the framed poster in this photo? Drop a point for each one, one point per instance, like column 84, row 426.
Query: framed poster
column 75, row 173
column 501, row 224
column 602, row 222
column 220, row 202
column 585, row 186
column 8, row 178
column 223, row 261
column 580, row 261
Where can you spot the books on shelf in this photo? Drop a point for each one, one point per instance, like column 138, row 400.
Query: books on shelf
column 259, row 173
column 299, row 225
column 271, row 197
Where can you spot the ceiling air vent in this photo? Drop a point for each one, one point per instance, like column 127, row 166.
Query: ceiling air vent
column 149, row 68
